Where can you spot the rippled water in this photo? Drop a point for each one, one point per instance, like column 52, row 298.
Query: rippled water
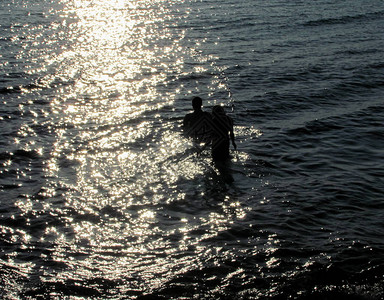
column 102, row 197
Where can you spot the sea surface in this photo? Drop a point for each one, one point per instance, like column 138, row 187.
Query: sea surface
column 102, row 196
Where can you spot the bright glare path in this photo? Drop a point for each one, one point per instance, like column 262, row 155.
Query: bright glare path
column 102, row 197
column 119, row 160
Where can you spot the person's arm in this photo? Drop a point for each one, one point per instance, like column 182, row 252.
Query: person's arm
column 186, row 125
column 232, row 135
column 185, row 121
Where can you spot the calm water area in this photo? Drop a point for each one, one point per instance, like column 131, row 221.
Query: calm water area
column 103, row 197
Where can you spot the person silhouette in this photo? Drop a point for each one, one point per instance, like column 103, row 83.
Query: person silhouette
column 222, row 131
column 197, row 124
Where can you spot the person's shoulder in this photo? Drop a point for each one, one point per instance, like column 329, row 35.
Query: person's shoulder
column 187, row 116
column 187, row 119
column 207, row 114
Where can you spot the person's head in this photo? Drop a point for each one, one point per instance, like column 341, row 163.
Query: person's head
column 197, row 102
column 218, row 110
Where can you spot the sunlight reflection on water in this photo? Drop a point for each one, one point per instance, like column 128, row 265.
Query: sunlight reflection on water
column 131, row 180
column 102, row 195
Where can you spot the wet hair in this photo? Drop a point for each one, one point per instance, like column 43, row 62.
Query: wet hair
column 197, row 102
column 218, row 110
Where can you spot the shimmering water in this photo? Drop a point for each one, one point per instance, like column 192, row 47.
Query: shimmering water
column 102, row 197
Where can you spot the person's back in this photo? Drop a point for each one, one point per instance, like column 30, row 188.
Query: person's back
column 196, row 124
column 222, row 132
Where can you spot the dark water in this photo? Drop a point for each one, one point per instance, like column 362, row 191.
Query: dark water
column 101, row 197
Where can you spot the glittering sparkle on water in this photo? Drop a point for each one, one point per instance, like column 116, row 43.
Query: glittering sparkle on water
column 130, row 180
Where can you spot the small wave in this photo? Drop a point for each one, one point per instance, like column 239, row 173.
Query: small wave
column 186, row 77
column 359, row 52
column 314, row 127
column 345, row 19
column 10, row 90
column 19, row 155
column 9, row 186
column 377, row 66
column 18, row 89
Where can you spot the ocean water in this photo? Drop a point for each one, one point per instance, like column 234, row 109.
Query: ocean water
column 101, row 195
